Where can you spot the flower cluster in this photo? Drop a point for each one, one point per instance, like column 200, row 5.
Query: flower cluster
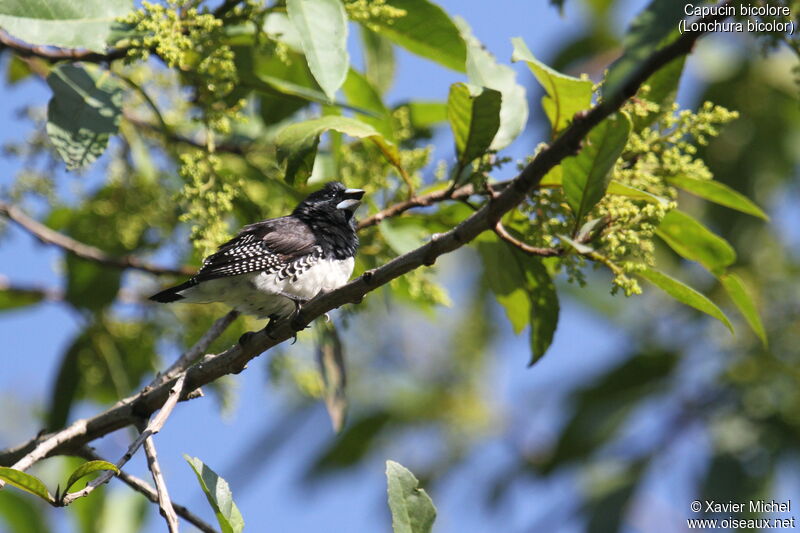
column 373, row 13
column 192, row 43
column 663, row 144
column 208, row 197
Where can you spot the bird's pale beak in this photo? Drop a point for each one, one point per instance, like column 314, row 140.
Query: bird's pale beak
column 352, row 199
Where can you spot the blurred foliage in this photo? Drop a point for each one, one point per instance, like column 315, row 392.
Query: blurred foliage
column 220, row 116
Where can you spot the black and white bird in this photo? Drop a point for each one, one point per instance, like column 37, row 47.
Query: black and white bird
column 271, row 267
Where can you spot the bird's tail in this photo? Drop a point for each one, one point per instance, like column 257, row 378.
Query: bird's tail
column 172, row 294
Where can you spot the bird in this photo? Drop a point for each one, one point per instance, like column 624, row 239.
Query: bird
column 270, row 268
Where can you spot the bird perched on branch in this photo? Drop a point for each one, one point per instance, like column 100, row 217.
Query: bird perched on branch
column 271, row 267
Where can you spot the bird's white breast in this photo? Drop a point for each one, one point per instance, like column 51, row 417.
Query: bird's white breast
column 266, row 294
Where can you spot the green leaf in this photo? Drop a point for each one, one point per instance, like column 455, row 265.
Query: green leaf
column 483, row 70
column 719, row 193
column 14, row 298
column 322, row 25
column 586, row 175
column 693, row 241
column 89, row 284
column 86, row 24
column 474, row 116
column 26, row 482
column 412, row 509
column 22, row 514
column 565, row 95
column 524, row 288
column 425, row 30
column 219, row 496
column 743, row 299
column 67, row 382
column 379, row 62
column 663, row 86
column 83, row 112
column 427, row 114
column 685, row 294
column 620, row 189
column 297, row 143
column 330, row 360
column 87, row 469
column 360, row 93
column 656, row 24
column 403, row 234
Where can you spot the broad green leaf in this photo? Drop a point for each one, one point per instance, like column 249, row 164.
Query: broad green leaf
column 620, row 189
column 653, row 26
column 21, row 513
column 322, row 25
column 86, row 24
column 86, row 469
column 219, row 496
column 13, row 298
column 524, row 288
column 483, row 70
column 586, row 175
column 474, row 116
column 565, row 95
column 719, row 193
column 26, row 482
column 412, row 509
column 743, row 299
column 297, row 143
column 330, row 360
column 685, row 294
column 425, row 30
column 361, row 94
column 427, row 114
column 83, row 112
column 693, row 241
column 278, row 27
column 379, row 63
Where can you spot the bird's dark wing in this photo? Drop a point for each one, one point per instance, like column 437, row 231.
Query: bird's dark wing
column 264, row 246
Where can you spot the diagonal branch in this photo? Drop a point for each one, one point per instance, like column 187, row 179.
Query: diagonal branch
column 235, row 359
column 82, row 250
column 503, row 233
column 164, row 503
column 141, row 486
column 51, row 53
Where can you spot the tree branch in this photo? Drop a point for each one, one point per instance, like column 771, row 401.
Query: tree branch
column 235, row 359
column 51, row 53
column 503, row 233
column 141, row 486
column 164, row 503
column 82, row 250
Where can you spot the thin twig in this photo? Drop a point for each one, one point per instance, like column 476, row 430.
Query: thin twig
column 82, row 250
column 153, row 427
column 164, row 503
column 236, row 358
column 149, row 492
column 51, row 53
column 503, row 233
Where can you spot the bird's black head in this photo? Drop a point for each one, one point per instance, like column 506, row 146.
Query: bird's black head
column 333, row 201
column 329, row 214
